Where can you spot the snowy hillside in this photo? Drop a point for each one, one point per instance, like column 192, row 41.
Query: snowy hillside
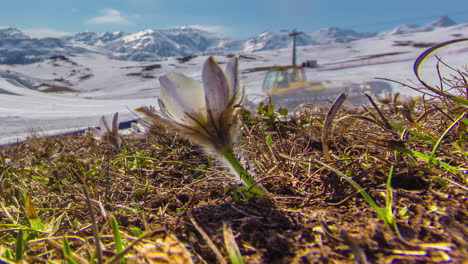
column 405, row 29
column 64, row 93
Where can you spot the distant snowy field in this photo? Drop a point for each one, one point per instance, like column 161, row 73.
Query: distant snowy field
column 102, row 86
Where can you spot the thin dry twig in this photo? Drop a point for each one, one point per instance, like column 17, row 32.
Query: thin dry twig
column 382, row 116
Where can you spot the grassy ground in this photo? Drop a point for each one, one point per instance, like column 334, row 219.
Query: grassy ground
column 162, row 200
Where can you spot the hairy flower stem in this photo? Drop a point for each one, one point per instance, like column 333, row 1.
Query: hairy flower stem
column 253, row 188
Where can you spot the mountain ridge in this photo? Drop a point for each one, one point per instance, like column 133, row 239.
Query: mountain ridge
column 154, row 44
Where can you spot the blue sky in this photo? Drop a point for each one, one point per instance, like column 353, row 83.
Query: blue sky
column 236, row 18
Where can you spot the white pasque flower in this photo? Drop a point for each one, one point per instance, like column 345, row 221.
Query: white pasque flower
column 107, row 133
column 204, row 113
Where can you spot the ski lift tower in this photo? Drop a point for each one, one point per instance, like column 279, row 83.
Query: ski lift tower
column 293, row 34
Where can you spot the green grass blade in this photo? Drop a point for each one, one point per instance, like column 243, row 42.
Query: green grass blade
column 465, row 121
column 20, row 245
column 381, row 212
column 436, row 146
column 9, row 254
column 389, row 195
column 420, row 155
column 423, row 57
column 269, row 141
column 254, row 188
column 231, row 246
column 136, row 231
column 32, row 216
column 413, row 133
column 117, row 238
column 67, row 252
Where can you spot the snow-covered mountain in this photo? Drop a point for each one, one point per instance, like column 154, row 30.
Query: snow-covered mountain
column 442, row 22
column 280, row 39
column 402, row 29
column 153, row 44
column 95, row 39
column 275, row 40
column 11, row 33
column 18, row 48
column 334, row 34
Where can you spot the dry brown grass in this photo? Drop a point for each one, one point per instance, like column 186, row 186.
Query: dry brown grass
column 173, row 193
column 71, row 199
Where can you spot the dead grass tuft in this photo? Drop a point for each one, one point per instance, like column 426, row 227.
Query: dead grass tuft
column 312, row 215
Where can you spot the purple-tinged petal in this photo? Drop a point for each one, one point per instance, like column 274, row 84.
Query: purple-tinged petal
column 108, row 134
column 216, row 87
column 97, row 134
column 103, row 125
column 180, row 95
column 115, row 123
column 232, row 76
column 115, row 141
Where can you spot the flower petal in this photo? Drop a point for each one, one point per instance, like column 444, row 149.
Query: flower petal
column 115, row 123
column 97, row 134
column 162, row 109
column 232, row 76
column 216, row 87
column 104, row 126
column 180, row 95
